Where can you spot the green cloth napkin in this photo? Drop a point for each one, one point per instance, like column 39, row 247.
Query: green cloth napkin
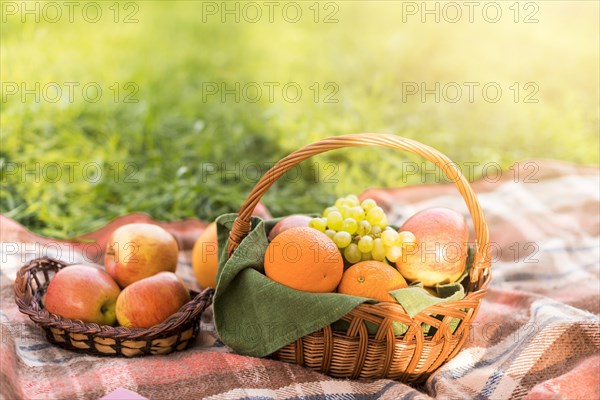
column 256, row 316
column 415, row 298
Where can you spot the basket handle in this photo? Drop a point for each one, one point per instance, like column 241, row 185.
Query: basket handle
column 480, row 272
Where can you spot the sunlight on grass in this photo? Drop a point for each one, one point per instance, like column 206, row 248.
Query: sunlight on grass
column 365, row 73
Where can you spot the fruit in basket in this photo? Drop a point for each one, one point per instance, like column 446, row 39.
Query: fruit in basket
column 83, row 292
column 440, row 252
column 372, row 279
column 291, row 221
column 304, row 259
column 151, row 300
column 360, row 230
column 205, row 254
column 205, row 260
column 137, row 251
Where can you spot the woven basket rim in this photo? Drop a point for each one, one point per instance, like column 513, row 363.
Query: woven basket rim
column 26, row 300
column 345, row 355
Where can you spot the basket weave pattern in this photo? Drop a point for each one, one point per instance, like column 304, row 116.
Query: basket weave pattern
column 176, row 333
column 412, row 356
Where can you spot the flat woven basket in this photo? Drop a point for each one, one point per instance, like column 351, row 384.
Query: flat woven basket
column 176, row 333
column 356, row 354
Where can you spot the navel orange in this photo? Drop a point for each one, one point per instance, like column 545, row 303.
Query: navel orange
column 303, row 258
column 372, row 279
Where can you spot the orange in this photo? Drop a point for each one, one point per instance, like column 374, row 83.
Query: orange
column 372, row 279
column 205, row 259
column 303, row 258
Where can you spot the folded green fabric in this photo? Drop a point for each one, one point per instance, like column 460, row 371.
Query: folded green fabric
column 415, row 298
column 256, row 316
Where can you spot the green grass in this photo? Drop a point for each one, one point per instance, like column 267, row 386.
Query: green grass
column 162, row 145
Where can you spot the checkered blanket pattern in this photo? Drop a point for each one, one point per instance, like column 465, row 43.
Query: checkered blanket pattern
column 536, row 336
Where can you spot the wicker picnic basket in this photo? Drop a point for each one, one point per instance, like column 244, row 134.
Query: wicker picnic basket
column 176, row 333
column 356, row 354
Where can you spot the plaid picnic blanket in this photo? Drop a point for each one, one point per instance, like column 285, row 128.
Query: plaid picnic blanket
column 536, row 336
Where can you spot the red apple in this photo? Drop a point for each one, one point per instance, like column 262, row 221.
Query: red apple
column 440, row 253
column 137, row 251
column 288, row 222
column 150, row 301
column 83, row 292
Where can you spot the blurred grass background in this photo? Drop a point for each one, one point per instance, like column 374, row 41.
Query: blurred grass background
column 168, row 153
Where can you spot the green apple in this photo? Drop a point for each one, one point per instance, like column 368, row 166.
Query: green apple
column 83, row 292
column 151, row 300
column 137, row 251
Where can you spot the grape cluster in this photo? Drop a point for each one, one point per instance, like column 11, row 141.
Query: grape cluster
column 361, row 231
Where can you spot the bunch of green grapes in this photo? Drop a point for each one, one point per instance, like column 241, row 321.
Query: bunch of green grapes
column 361, row 231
